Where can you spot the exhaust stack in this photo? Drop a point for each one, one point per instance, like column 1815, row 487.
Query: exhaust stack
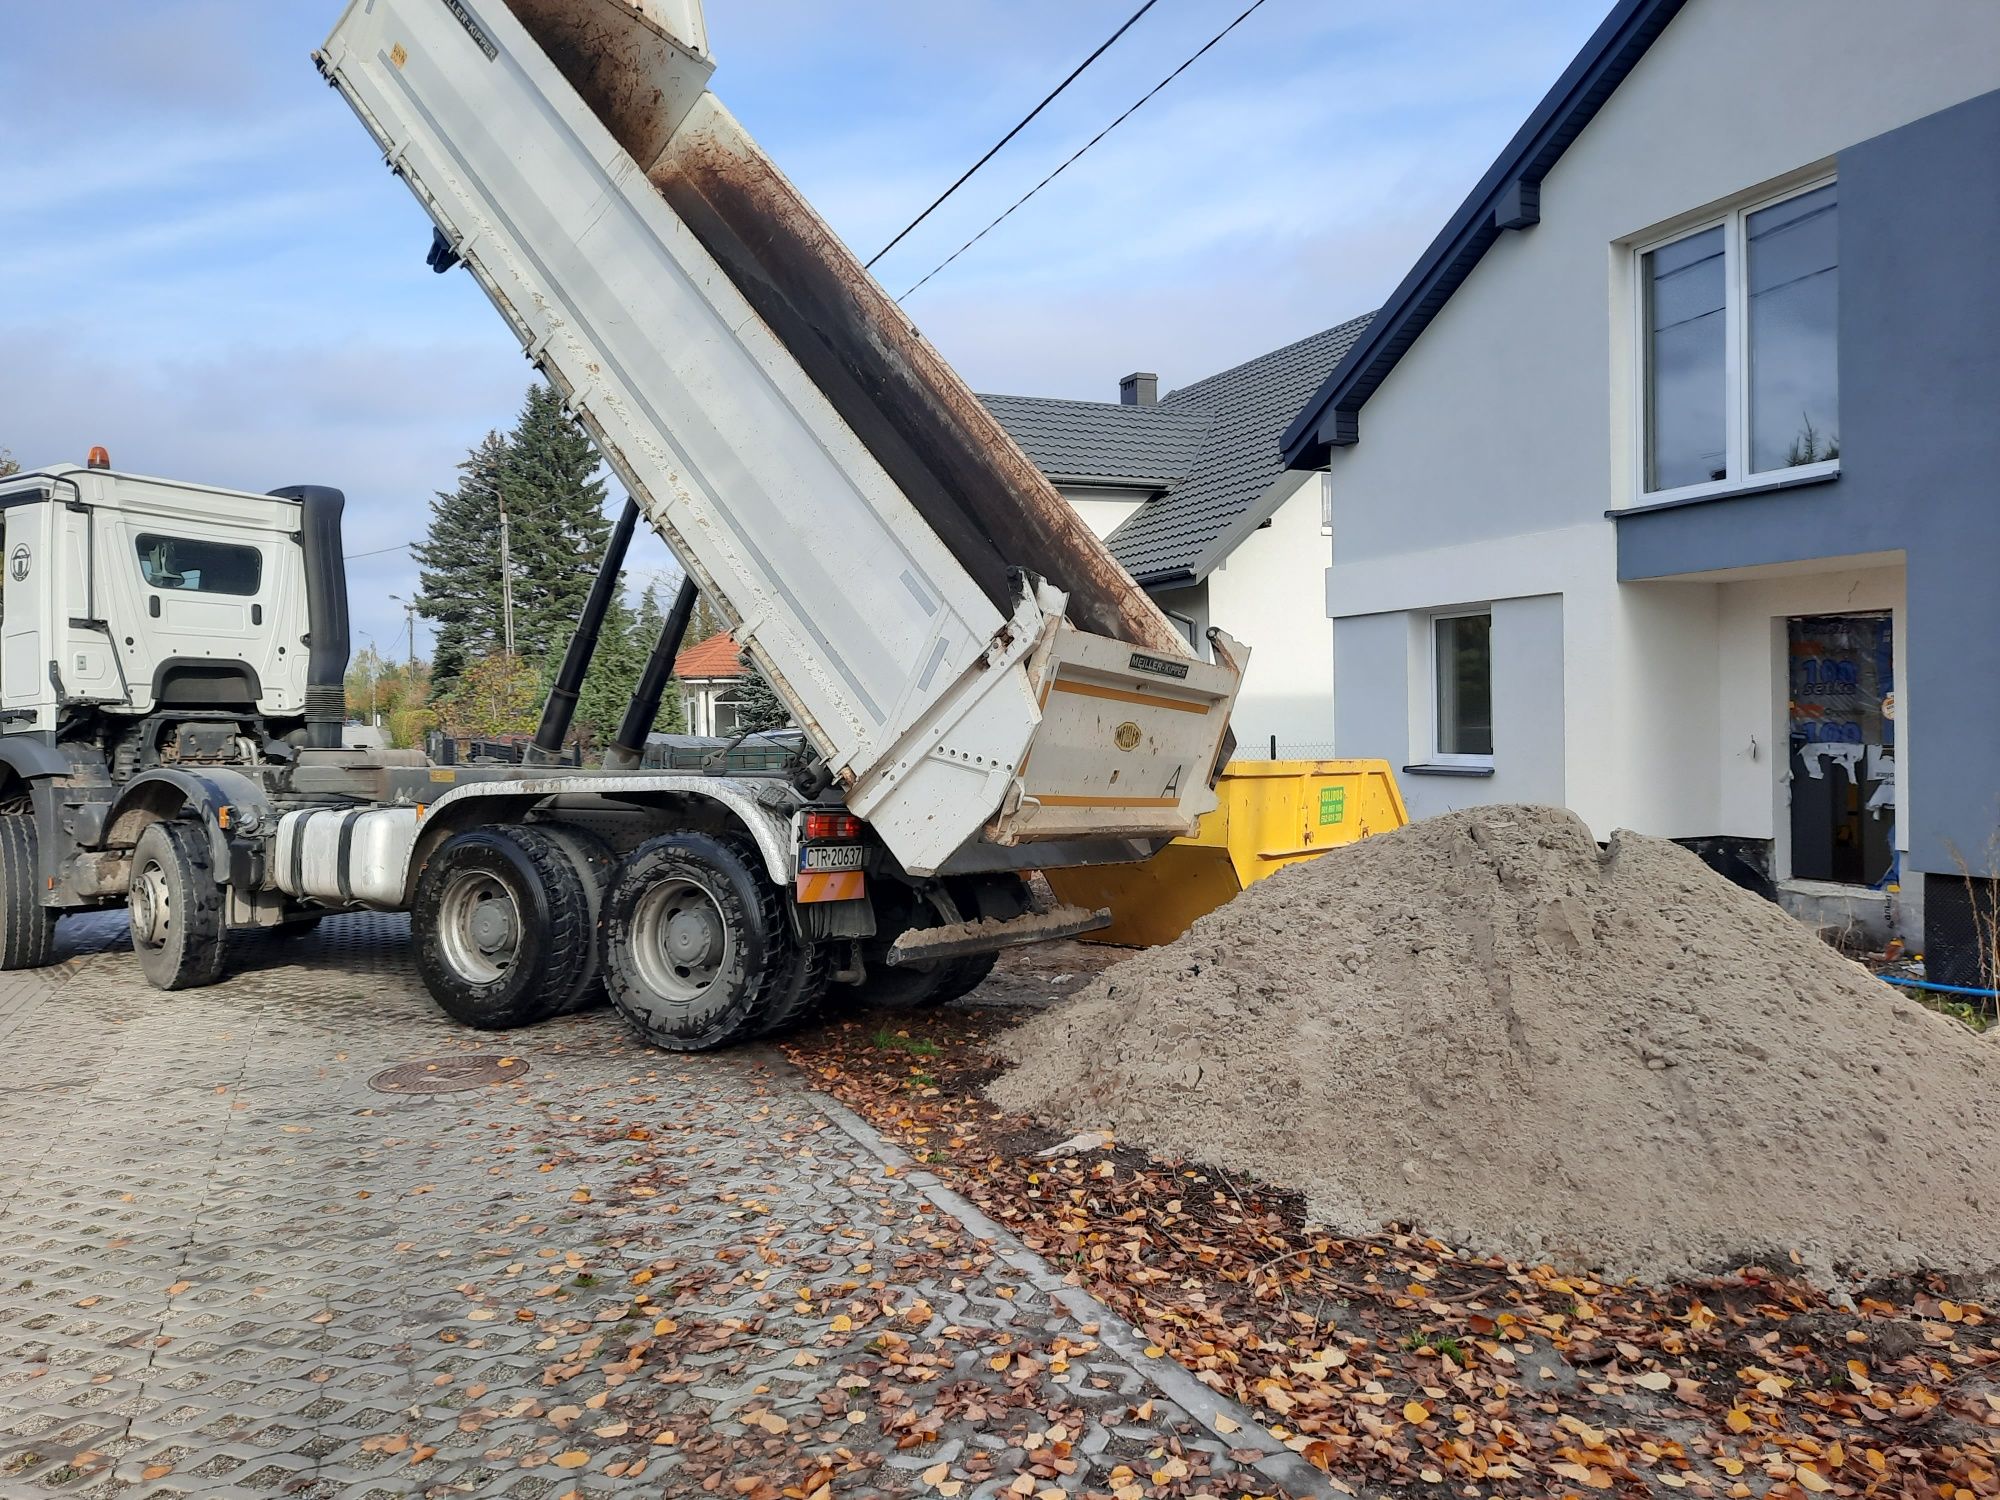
column 326, row 611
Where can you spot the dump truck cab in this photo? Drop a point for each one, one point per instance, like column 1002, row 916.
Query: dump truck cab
column 138, row 599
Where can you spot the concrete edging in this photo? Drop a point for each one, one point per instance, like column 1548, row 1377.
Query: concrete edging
column 1203, row 1405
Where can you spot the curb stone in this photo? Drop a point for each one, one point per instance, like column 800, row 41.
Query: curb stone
column 1202, row 1405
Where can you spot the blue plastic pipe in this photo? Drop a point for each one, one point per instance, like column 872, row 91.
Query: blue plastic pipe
column 1941, row 989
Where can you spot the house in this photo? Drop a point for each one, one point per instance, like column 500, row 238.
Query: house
column 1663, row 485
column 1192, row 496
column 710, row 673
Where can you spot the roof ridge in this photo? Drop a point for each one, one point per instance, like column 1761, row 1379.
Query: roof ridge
column 1119, row 406
column 1295, row 344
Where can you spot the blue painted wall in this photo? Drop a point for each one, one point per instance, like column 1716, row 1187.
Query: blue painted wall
column 1919, row 459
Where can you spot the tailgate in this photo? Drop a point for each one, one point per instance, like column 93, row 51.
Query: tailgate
column 1127, row 743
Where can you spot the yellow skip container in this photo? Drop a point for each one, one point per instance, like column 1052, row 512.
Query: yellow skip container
column 1272, row 813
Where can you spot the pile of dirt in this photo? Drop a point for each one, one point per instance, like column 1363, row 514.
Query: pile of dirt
column 1484, row 1026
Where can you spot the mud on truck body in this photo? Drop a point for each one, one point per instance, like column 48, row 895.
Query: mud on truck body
column 980, row 689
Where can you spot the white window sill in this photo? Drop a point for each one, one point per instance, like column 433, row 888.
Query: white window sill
column 1443, row 768
column 1763, row 484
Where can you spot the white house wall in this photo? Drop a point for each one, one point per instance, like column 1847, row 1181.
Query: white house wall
column 1104, row 510
column 1506, row 425
column 1267, row 594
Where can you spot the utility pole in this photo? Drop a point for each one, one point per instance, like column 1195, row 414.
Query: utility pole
column 410, row 614
column 506, row 581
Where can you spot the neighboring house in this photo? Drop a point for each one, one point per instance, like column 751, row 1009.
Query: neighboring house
column 711, row 673
column 1192, row 495
column 1663, row 486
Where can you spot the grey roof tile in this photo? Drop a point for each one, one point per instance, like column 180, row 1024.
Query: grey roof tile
column 1211, row 448
column 1147, row 446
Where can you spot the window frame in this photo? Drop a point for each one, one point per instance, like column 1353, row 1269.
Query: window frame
column 139, row 538
column 1437, row 754
column 1734, row 223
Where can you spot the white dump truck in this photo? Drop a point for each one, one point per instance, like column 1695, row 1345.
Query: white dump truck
column 980, row 689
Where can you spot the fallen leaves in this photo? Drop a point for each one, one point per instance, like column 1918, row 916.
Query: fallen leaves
column 1396, row 1360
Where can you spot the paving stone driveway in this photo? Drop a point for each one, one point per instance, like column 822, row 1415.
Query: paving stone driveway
column 228, row 1265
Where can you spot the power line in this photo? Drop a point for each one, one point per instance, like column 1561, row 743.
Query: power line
column 1026, row 121
column 1210, row 43
column 379, row 552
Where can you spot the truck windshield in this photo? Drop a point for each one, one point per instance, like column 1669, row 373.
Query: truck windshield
column 178, row 562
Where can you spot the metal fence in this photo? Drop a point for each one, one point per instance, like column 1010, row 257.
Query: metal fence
column 1273, row 748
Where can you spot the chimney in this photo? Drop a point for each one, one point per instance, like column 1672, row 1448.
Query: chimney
column 1141, row 389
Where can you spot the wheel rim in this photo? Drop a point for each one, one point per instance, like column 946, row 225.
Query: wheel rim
column 151, row 906
column 479, row 927
column 681, row 945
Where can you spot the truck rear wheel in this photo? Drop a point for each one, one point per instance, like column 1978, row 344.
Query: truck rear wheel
column 502, row 927
column 962, row 976
column 27, row 928
column 175, row 908
column 694, row 942
column 594, row 864
column 799, row 986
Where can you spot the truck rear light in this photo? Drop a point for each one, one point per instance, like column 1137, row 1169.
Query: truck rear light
column 832, row 825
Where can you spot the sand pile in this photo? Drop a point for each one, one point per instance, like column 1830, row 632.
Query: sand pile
column 1485, row 1026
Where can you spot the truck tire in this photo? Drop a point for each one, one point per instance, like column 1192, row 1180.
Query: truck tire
column 594, row 864
column 694, row 942
column 175, row 908
column 962, row 976
column 799, row 988
column 502, row 927
column 27, row 928
column 903, row 987
column 297, row 927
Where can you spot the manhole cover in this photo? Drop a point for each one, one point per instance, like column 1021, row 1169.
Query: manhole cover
column 447, row 1075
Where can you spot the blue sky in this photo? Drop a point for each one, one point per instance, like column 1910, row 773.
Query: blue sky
column 208, row 270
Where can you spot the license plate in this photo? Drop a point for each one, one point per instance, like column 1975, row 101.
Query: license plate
column 834, row 857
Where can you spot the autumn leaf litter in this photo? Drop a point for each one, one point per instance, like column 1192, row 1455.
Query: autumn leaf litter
column 1606, row 1059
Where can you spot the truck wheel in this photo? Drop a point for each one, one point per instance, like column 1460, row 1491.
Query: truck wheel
column 903, row 987
column 175, row 907
column 694, row 942
column 594, row 863
column 798, row 988
column 27, row 928
column 502, row 927
column 962, row 976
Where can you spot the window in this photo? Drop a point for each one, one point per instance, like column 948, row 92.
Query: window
column 176, row 562
column 1462, row 668
column 1741, row 347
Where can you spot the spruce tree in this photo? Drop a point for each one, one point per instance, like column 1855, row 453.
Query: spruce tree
column 758, row 706
column 460, row 562
column 555, row 505
column 7, row 464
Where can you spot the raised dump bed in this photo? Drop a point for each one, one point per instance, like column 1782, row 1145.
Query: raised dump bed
column 971, row 665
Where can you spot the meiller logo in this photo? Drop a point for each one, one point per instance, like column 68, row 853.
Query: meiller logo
column 1158, row 666
column 472, row 28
